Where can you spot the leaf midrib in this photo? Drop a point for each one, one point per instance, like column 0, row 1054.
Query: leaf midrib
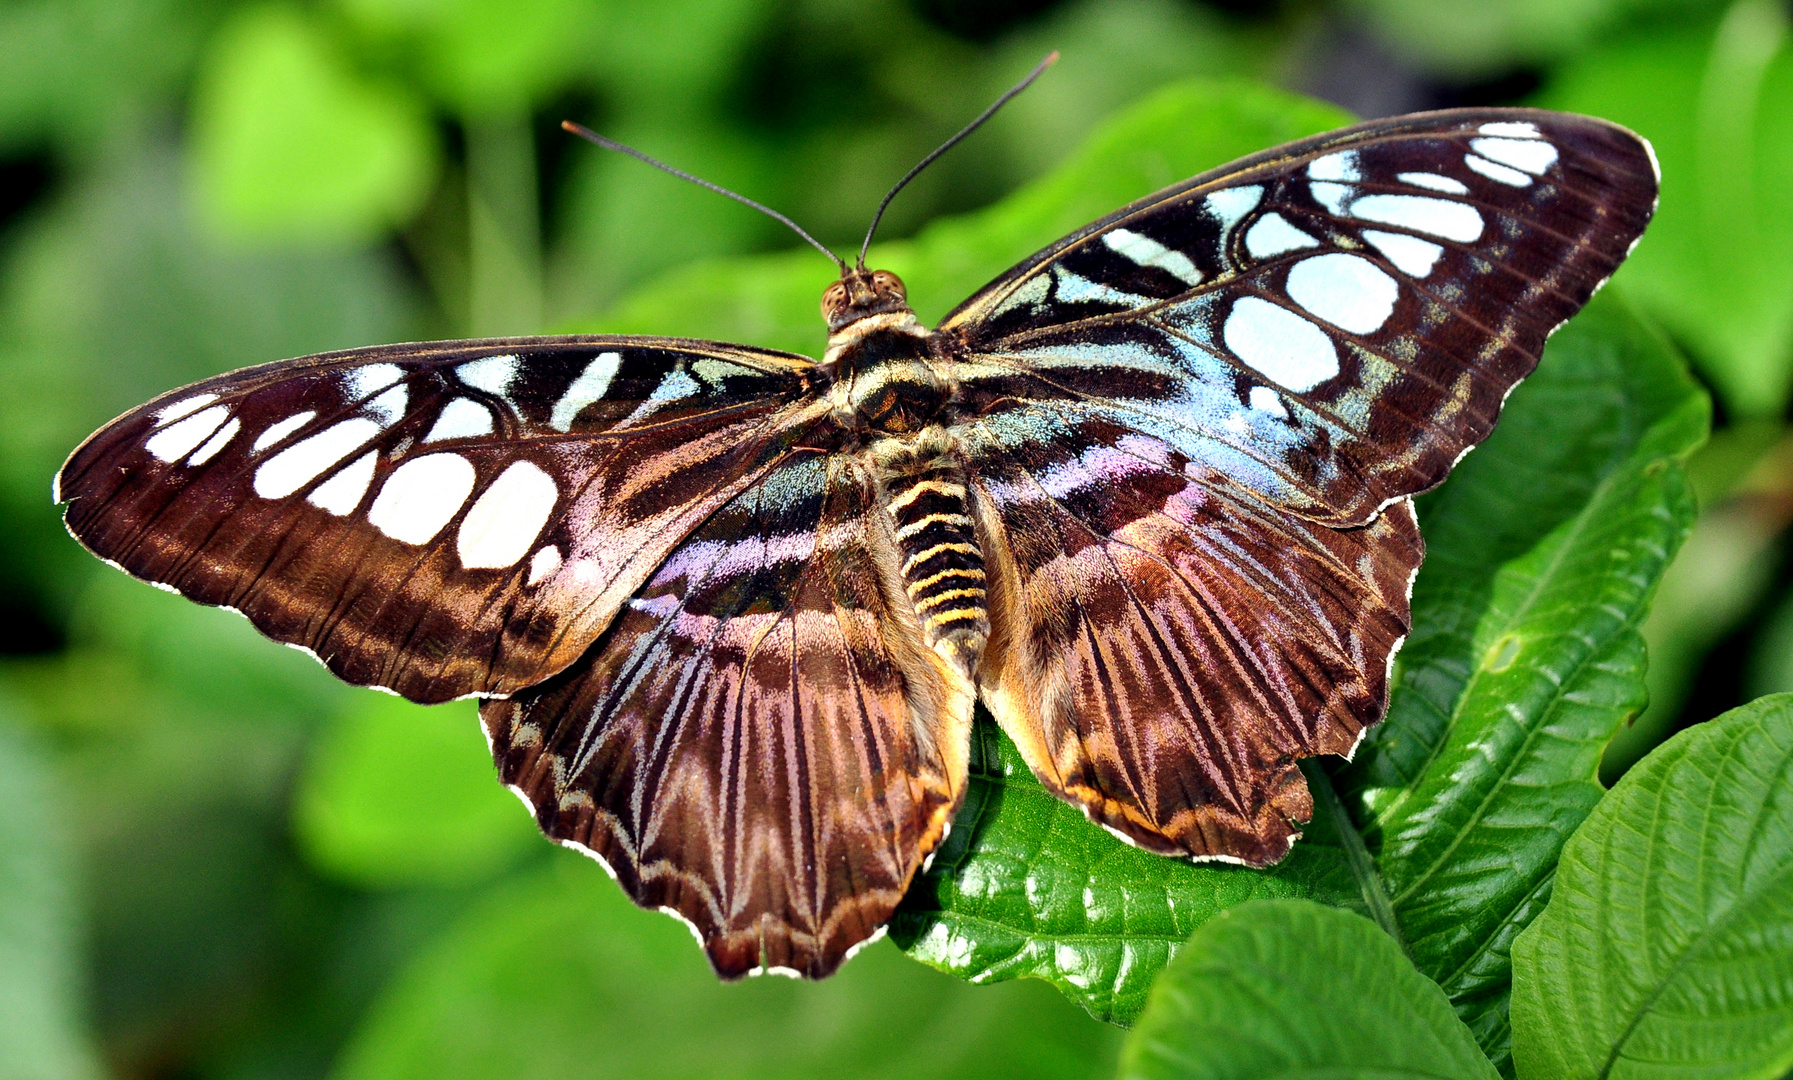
column 959, row 915
column 1548, row 573
column 1475, row 678
column 1697, row 944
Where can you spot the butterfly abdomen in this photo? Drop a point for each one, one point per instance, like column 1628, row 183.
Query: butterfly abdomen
column 942, row 568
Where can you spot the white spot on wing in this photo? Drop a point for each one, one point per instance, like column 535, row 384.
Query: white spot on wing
column 462, row 418
column 1440, row 217
column 1348, row 291
column 1530, row 155
column 1280, row 345
column 296, row 466
column 1339, row 166
column 178, row 439
column 1434, row 181
column 492, row 374
column 279, row 431
column 421, row 496
column 776, row 969
column 365, row 382
column 1075, row 288
column 1332, row 196
column 546, row 561
column 1228, row 205
column 1512, row 129
column 587, row 388
column 676, row 385
column 1266, row 400
column 215, row 443
column 1411, row 255
column 342, row 493
column 389, row 406
column 1273, row 235
column 169, row 413
column 854, row 950
column 1497, row 172
column 507, row 517
column 1146, row 251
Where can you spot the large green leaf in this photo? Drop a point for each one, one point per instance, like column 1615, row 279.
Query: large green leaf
column 1240, row 1001
column 557, row 975
column 1026, row 886
column 1524, row 656
column 1667, row 947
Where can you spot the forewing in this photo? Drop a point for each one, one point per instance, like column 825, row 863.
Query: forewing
column 761, row 742
column 1332, row 323
column 440, row 520
column 1165, row 644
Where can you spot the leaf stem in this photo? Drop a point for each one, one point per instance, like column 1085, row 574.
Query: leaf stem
column 1357, row 856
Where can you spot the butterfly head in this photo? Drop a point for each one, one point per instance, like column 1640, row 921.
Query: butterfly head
column 860, row 294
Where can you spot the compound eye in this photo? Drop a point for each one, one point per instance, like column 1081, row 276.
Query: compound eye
column 885, row 281
column 833, row 297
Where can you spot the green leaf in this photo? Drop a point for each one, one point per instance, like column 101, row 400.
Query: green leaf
column 290, row 145
column 1289, row 988
column 557, row 974
column 1713, row 268
column 397, row 794
column 1667, row 947
column 42, row 1034
column 1525, row 657
column 1026, row 886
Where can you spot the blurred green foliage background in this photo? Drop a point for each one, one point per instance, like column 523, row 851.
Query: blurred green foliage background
column 217, row 862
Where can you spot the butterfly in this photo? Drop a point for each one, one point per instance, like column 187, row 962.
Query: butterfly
column 1147, row 497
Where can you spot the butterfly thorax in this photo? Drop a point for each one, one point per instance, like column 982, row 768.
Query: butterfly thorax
column 883, row 378
column 889, row 389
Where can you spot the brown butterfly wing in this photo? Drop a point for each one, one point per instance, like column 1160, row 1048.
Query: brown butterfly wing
column 441, row 520
column 761, row 742
column 1166, row 645
column 1193, row 428
column 1334, row 322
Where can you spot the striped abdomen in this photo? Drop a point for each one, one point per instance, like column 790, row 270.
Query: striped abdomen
column 941, row 565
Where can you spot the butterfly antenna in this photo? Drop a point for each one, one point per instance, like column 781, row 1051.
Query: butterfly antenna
column 1039, row 69
column 611, row 144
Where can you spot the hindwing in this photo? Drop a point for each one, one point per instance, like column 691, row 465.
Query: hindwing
column 761, row 742
column 1166, row 644
column 441, row 520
